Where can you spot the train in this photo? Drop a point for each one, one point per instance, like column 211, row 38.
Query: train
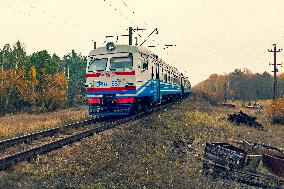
column 121, row 79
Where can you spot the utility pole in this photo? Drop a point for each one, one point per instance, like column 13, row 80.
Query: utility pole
column 225, row 90
column 130, row 35
column 275, row 70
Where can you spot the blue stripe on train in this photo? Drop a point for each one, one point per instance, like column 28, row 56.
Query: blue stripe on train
column 147, row 89
column 112, row 92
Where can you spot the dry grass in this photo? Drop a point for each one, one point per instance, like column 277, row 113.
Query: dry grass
column 19, row 124
column 140, row 154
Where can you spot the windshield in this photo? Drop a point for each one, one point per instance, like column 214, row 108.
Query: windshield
column 121, row 62
column 97, row 65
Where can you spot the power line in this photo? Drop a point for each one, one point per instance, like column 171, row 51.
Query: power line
column 118, row 11
column 38, row 19
column 55, row 18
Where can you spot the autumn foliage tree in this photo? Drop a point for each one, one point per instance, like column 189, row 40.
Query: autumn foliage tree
column 38, row 81
column 241, row 84
column 54, row 92
column 15, row 91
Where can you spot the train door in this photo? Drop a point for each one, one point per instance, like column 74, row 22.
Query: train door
column 182, row 85
column 142, row 72
column 157, row 93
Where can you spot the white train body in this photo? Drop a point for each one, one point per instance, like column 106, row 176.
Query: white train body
column 123, row 77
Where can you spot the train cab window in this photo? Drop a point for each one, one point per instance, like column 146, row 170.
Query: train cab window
column 97, row 64
column 121, row 63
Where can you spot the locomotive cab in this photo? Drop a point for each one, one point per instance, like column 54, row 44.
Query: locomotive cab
column 110, row 80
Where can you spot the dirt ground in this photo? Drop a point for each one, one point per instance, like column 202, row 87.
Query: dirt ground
column 141, row 153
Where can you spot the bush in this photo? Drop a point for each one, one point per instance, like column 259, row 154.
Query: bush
column 276, row 111
column 206, row 95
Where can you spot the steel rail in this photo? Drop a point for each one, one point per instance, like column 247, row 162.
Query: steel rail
column 9, row 160
column 41, row 134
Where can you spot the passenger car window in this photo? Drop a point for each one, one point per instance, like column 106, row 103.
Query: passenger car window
column 145, row 61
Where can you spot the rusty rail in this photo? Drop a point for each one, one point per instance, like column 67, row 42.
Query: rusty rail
column 41, row 134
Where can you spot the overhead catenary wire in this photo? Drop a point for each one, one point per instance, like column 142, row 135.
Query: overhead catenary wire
column 55, row 19
column 58, row 26
column 75, row 30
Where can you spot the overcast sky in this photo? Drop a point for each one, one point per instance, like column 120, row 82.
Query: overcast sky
column 211, row 36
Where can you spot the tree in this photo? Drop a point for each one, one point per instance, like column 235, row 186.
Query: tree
column 19, row 56
column 54, row 93
column 241, row 84
column 7, row 58
column 75, row 69
column 15, row 91
column 39, row 80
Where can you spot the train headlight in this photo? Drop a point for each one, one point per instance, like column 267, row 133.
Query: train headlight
column 110, row 46
column 129, row 84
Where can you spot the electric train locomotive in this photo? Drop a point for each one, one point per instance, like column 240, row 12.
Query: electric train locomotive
column 124, row 78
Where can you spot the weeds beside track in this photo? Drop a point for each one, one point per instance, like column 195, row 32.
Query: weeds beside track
column 7, row 161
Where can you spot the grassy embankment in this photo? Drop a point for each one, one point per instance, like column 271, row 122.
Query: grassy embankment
column 19, row 124
column 140, row 154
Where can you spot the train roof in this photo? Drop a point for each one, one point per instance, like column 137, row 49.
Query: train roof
column 120, row 49
column 132, row 49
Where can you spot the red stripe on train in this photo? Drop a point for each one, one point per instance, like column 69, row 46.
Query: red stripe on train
column 125, row 100
column 110, row 74
column 94, row 100
column 111, row 89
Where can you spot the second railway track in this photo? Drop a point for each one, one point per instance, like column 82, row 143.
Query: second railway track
column 9, row 160
column 41, row 134
column 44, row 147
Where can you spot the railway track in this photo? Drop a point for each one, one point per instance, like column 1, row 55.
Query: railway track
column 9, row 160
column 41, row 134
column 22, row 155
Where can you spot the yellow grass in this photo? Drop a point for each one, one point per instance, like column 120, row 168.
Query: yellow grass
column 19, row 124
column 140, row 153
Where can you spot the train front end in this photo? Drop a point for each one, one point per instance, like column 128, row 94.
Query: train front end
column 110, row 81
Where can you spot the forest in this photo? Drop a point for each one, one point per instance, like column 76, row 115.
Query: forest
column 242, row 85
column 40, row 81
column 45, row 82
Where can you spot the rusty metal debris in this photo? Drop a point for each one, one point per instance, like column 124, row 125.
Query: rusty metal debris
column 274, row 163
column 278, row 120
column 244, row 118
column 260, row 149
column 241, row 163
column 229, row 105
column 272, row 157
column 254, row 105
column 225, row 154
